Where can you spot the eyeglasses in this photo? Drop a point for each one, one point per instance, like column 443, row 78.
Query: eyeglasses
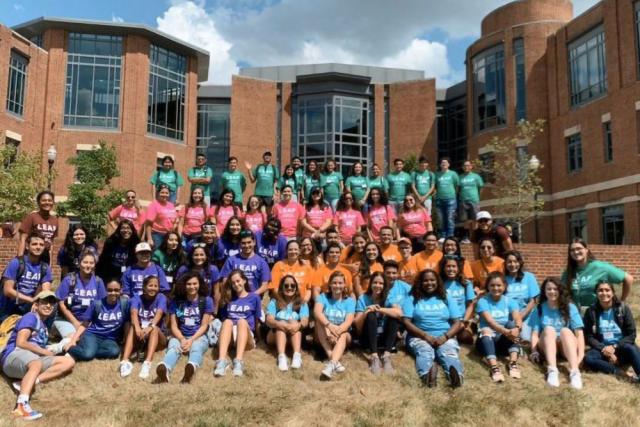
column 199, row 245
column 113, row 290
column 131, row 197
column 290, row 286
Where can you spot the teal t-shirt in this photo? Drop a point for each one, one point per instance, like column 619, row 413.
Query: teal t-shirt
column 204, row 172
column 432, row 315
column 524, row 290
column 470, row 185
column 299, row 174
column 170, row 178
column 330, row 183
column 234, row 181
column 358, row 186
column 447, row 185
column 336, row 311
column 499, row 310
column 287, row 313
column 544, row 316
column 607, row 326
column 290, row 181
column 379, row 182
column 423, row 181
column 309, row 183
column 398, row 184
column 460, row 294
column 266, row 176
column 584, row 285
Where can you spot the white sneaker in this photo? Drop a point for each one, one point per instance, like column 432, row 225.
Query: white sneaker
column 16, row 385
column 221, row 368
column 283, row 364
column 296, row 361
column 328, row 371
column 145, row 371
column 238, row 368
column 576, row 380
column 552, row 377
column 339, row 367
column 58, row 347
column 126, row 368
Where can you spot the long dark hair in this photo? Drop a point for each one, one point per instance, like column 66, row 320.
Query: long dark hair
column 518, row 256
column 289, row 243
column 192, row 204
column 385, row 289
column 226, row 291
column 616, row 300
column 352, row 169
column 281, row 301
column 564, row 297
column 321, row 203
column 314, row 253
column 70, row 250
column 352, row 249
column 384, row 200
column 418, row 293
column 221, row 198
column 179, row 292
column 455, row 240
column 342, row 203
column 459, row 262
column 572, row 265
column 104, row 267
column 259, row 208
column 365, row 263
column 226, row 234
column 316, row 173
column 179, row 252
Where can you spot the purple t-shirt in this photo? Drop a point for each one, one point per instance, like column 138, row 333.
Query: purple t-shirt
column 120, row 257
column 107, row 319
column 134, row 275
column 83, row 295
column 39, row 334
column 147, row 309
column 27, row 285
column 210, row 277
column 255, row 268
column 188, row 314
column 226, row 249
column 248, row 308
column 271, row 251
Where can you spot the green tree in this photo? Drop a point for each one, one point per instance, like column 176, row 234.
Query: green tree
column 21, row 178
column 410, row 163
column 92, row 196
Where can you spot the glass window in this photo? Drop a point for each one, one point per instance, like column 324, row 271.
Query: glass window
column 574, row 152
column 578, row 225
column 167, row 91
column 213, row 139
column 608, row 141
column 613, row 225
column 587, row 67
column 452, row 131
column 488, row 89
column 92, row 95
column 521, row 89
column 17, row 84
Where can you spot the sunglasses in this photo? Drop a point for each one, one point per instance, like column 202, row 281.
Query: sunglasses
column 113, row 290
column 199, row 245
column 290, row 286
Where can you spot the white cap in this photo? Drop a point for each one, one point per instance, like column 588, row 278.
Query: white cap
column 143, row 247
column 483, row 215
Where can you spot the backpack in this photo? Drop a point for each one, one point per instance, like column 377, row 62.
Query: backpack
column 6, row 328
column 73, row 280
column 158, row 182
column 273, row 168
column 22, row 268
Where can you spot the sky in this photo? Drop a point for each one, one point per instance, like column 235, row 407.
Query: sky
column 429, row 35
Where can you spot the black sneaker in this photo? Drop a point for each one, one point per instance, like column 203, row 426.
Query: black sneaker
column 163, row 374
column 432, row 376
column 454, row 377
column 189, row 371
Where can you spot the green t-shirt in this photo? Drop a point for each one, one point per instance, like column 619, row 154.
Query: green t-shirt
column 299, row 174
column 330, row 183
column 171, row 178
column 379, row 182
column 234, row 181
column 266, row 176
column 398, row 183
column 292, row 181
column 169, row 264
column 447, row 185
column 470, row 185
column 309, row 183
column 423, row 181
column 204, row 172
column 584, row 285
column 357, row 185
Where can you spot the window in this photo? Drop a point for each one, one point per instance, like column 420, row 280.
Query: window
column 578, row 225
column 10, row 142
column 92, row 95
column 213, row 139
column 17, row 83
column 587, row 65
column 521, row 89
column 613, row 225
column 167, row 83
column 574, row 152
column 608, row 141
column 488, row 89
column 486, row 170
column 37, row 40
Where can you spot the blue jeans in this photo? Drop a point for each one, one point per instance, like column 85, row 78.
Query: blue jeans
column 447, row 216
column 626, row 354
column 157, row 239
column 92, row 347
column 397, row 206
column 448, row 355
column 489, row 347
column 196, row 353
column 333, row 203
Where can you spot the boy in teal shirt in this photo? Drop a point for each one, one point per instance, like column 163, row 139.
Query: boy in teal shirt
column 399, row 183
column 470, row 185
column 234, row 180
column 169, row 177
column 266, row 176
column 423, row 183
column 447, row 182
column 200, row 177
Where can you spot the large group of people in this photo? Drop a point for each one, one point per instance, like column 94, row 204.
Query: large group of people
column 312, row 262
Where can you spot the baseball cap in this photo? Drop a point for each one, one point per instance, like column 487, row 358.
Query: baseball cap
column 143, row 247
column 45, row 295
column 404, row 240
column 483, row 215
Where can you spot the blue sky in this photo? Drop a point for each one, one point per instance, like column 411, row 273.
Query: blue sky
column 430, row 35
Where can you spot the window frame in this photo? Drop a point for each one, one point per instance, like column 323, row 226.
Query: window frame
column 608, row 218
column 576, row 50
column 578, row 219
column 574, row 147
column 607, row 141
column 520, row 78
column 497, row 56
column 17, row 76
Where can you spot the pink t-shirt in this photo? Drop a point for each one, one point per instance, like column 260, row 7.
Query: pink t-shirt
column 162, row 217
column 348, row 223
column 378, row 218
column 193, row 219
column 413, row 222
column 289, row 214
column 122, row 212
column 224, row 214
column 255, row 221
column 316, row 217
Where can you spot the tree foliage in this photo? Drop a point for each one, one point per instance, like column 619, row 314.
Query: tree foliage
column 21, row 178
column 92, row 196
column 410, row 163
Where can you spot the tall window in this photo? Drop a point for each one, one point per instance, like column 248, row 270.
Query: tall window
column 17, row 83
column 578, row 225
column 92, row 96
column 613, row 225
column 607, row 137
column 213, row 139
column 521, row 89
column 167, row 89
column 488, row 89
column 574, row 152
column 588, row 68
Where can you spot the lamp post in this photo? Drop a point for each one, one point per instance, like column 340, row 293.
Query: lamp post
column 534, row 164
column 52, row 153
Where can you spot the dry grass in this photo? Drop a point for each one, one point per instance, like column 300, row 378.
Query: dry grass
column 95, row 395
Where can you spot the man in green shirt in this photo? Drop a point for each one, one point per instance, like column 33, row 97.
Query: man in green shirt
column 298, row 170
column 200, row 177
column 234, row 180
column 447, row 182
column 168, row 176
column 423, row 183
column 266, row 176
column 470, row 185
column 399, row 182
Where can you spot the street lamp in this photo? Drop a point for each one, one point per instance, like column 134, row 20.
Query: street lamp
column 534, row 164
column 52, row 153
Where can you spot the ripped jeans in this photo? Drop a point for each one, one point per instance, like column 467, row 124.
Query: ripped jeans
column 448, row 355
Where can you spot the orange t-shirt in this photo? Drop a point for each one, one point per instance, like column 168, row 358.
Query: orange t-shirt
column 346, row 259
column 407, row 271
column 422, row 261
column 364, row 283
column 392, row 252
column 321, row 278
column 467, row 271
column 302, row 273
column 481, row 270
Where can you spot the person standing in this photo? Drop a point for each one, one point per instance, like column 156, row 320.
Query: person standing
column 265, row 176
column 399, row 185
column 423, row 183
column 233, row 179
column 332, row 184
column 168, row 176
column 42, row 221
column 200, row 177
column 298, row 170
column 447, row 182
column 470, row 185
column 357, row 183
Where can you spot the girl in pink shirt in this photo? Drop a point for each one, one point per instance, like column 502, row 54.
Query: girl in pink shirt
column 224, row 210
column 347, row 220
column 379, row 213
column 288, row 212
column 193, row 215
column 255, row 217
column 318, row 216
column 130, row 209
column 413, row 221
column 161, row 217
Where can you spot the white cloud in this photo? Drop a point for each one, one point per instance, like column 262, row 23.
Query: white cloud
column 116, row 18
column 18, row 7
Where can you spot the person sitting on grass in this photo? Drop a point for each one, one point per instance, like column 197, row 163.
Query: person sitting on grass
column 147, row 327
column 556, row 322
column 334, row 312
column 432, row 320
column 460, row 290
column 191, row 311
column 287, row 316
column 240, row 309
column 98, row 336
column 500, row 326
column 26, row 357
column 611, row 333
column 377, row 320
